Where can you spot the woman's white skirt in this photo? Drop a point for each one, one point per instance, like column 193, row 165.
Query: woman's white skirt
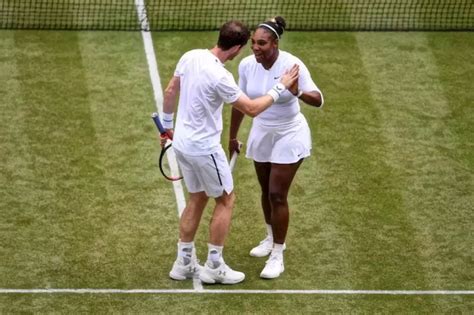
column 281, row 142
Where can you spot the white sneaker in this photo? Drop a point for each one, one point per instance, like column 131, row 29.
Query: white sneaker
column 180, row 271
column 222, row 274
column 264, row 248
column 273, row 267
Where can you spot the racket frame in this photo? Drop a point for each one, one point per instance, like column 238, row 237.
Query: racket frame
column 163, row 134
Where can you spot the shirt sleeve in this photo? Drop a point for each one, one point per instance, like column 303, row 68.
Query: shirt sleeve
column 180, row 67
column 228, row 89
column 306, row 83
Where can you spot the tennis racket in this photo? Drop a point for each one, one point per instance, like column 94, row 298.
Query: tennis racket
column 162, row 162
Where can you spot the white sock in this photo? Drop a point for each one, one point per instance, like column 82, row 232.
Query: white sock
column 214, row 255
column 185, row 250
column 269, row 231
column 277, row 249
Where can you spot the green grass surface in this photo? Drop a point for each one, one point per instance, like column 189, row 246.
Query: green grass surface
column 384, row 203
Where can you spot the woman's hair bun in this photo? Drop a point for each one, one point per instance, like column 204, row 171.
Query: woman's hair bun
column 280, row 21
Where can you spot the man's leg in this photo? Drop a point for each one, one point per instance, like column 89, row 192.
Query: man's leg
column 186, row 265
column 216, row 270
column 191, row 216
column 221, row 218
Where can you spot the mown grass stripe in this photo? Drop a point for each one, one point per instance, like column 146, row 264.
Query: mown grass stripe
column 141, row 203
column 415, row 111
column 62, row 237
column 20, row 190
column 355, row 223
column 453, row 55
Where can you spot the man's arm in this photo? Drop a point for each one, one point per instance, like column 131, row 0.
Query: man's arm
column 235, row 122
column 256, row 106
column 169, row 104
column 253, row 107
column 171, row 95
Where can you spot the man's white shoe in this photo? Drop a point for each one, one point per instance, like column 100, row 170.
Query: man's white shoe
column 222, row 274
column 264, row 248
column 182, row 271
column 273, row 267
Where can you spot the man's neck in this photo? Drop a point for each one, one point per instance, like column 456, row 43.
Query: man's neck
column 220, row 54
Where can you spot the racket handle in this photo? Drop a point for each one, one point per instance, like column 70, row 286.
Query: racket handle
column 233, row 159
column 158, row 124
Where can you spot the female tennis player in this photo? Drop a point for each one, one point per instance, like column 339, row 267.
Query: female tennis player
column 280, row 137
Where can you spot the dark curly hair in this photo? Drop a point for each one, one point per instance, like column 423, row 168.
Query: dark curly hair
column 275, row 26
column 233, row 33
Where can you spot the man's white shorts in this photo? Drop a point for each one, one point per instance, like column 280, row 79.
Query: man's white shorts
column 209, row 173
column 283, row 142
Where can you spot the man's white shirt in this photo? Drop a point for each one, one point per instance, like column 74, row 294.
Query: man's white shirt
column 205, row 85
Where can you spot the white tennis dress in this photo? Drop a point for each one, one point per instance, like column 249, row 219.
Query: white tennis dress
column 280, row 134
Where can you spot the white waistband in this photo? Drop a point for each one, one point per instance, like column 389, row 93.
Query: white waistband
column 285, row 122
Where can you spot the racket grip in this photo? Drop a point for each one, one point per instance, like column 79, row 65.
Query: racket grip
column 158, row 124
column 233, row 159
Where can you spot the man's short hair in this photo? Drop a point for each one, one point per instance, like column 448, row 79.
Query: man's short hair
column 233, row 33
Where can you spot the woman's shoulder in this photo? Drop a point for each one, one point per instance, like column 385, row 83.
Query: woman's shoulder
column 289, row 58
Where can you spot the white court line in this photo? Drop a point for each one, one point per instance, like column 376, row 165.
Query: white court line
column 234, row 291
column 158, row 95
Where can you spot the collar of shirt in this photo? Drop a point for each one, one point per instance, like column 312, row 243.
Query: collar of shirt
column 215, row 58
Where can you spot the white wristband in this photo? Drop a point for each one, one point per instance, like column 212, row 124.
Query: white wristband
column 276, row 91
column 300, row 92
column 168, row 120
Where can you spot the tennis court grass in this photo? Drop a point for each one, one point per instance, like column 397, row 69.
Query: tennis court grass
column 384, row 203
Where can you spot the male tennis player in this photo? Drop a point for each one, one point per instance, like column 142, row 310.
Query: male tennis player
column 203, row 85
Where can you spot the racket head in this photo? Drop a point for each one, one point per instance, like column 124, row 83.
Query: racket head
column 164, row 166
